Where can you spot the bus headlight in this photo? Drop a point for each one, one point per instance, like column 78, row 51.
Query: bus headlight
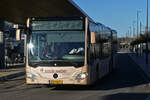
column 31, row 76
column 30, row 45
column 81, row 76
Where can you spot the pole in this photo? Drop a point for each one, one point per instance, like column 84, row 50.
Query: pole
column 133, row 29
column 141, row 37
column 133, row 32
column 147, row 35
column 112, row 50
column 137, row 28
column 130, row 32
column 137, row 23
column 2, row 43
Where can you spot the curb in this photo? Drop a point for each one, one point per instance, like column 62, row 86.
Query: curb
column 142, row 71
column 11, row 76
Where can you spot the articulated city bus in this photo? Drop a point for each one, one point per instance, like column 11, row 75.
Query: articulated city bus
column 68, row 50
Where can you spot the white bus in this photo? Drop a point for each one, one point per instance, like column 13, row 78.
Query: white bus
column 67, row 50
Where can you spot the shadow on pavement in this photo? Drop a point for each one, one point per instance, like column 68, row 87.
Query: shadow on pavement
column 126, row 96
column 125, row 75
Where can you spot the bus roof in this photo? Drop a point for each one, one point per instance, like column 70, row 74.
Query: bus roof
column 17, row 11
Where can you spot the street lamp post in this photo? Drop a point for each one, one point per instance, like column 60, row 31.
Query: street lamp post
column 133, row 29
column 137, row 27
column 147, row 35
column 141, row 37
column 130, row 31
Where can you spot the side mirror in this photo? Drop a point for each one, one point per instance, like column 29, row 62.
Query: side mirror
column 18, row 33
column 93, row 39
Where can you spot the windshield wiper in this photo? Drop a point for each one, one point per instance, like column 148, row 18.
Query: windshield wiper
column 56, row 63
column 34, row 64
column 76, row 64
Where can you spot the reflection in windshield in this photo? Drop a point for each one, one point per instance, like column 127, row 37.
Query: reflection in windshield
column 58, row 46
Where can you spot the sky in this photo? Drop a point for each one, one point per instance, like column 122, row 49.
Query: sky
column 116, row 14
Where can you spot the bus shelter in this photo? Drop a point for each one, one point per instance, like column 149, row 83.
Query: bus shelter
column 17, row 11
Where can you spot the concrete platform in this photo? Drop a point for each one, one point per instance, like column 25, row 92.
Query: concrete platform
column 10, row 73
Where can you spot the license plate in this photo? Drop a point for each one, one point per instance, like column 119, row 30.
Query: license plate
column 56, row 82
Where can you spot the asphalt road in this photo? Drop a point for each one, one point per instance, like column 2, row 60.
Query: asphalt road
column 127, row 82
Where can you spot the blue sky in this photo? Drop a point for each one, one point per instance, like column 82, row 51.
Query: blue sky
column 117, row 14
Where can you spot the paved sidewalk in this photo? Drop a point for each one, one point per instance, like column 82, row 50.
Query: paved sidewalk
column 140, row 60
column 10, row 73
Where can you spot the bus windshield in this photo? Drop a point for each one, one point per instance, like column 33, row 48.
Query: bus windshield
column 46, row 47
